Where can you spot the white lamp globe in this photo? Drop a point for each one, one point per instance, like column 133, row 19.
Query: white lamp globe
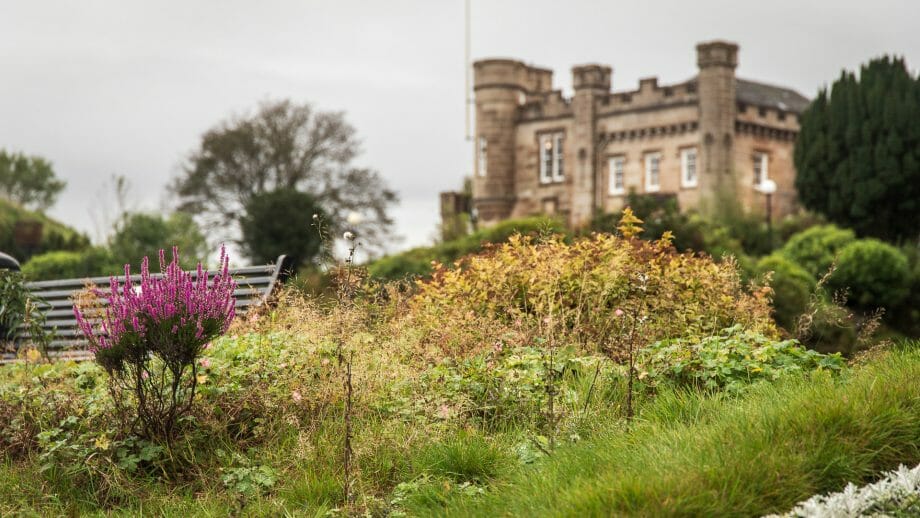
column 767, row 186
column 354, row 218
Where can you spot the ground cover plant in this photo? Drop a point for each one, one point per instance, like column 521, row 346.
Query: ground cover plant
column 897, row 494
column 463, row 396
column 697, row 456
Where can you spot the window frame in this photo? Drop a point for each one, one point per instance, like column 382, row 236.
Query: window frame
column 764, row 163
column 685, row 181
column 551, row 157
column 649, row 156
column 612, row 162
column 558, row 156
column 545, row 158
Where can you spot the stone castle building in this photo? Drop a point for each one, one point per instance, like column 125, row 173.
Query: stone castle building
column 537, row 151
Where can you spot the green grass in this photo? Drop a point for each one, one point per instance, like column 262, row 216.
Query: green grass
column 689, row 455
column 464, row 458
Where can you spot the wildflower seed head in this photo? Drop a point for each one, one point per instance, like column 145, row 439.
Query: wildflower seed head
column 349, row 236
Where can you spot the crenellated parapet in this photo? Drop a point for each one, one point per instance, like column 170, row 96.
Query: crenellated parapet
column 649, row 95
column 767, row 116
column 511, row 74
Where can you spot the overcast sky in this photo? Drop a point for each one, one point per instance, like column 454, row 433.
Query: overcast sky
column 118, row 87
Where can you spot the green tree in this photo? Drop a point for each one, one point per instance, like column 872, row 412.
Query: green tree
column 281, row 222
column 141, row 234
column 284, row 146
column 858, row 152
column 28, row 180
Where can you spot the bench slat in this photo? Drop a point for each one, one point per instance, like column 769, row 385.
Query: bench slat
column 247, row 271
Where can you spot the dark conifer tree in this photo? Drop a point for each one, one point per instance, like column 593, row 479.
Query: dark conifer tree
column 858, row 152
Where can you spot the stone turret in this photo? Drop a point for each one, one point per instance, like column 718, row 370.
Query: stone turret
column 589, row 82
column 717, row 101
column 501, row 86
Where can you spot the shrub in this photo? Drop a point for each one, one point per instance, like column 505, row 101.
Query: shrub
column 91, row 262
column 578, row 287
column 418, row 261
column 19, row 308
column 815, row 249
column 792, row 288
column 737, row 233
column 13, row 297
column 496, row 390
column 875, row 274
column 54, row 235
column 828, row 327
column 151, row 336
column 906, row 316
column 730, row 360
column 140, row 234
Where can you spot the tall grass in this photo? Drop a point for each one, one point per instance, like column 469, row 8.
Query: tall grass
column 690, row 455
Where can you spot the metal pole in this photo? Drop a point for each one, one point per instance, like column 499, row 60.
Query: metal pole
column 466, row 65
column 770, row 218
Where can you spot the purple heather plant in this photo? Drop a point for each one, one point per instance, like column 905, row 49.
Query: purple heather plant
column 152, row 334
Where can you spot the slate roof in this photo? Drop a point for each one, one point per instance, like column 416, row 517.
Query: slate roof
column 760, row 94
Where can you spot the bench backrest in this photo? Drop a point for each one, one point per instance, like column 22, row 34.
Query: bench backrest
column 254, row 285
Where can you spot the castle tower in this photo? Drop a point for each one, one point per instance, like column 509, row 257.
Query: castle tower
column 717, row 100
column 589, row 82
column 500, row 86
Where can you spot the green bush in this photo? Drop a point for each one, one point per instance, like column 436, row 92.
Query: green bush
column 816, row 248
column 520, row 282
column 418, row 261
column 829, row 328
column 55, row 235
column 906, row 316
column 138, row 235
column 13, row 296
column 875, row 273
column 730, row 360
column 792, row 288
column 660, row 213
column 92, row 262
column 497, row 390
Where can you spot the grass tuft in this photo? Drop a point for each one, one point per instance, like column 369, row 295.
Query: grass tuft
column 690, row 455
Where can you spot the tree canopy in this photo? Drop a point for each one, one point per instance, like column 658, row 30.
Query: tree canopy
column 28, row 180
column 140, row 234
column 858, row 152
column 281, row 222
column 284, row 146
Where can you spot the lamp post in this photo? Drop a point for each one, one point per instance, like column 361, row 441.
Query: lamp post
column 768, row 187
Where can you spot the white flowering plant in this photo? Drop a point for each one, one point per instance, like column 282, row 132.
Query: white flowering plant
column 896, row 494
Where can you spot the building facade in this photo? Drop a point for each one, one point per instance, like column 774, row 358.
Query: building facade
column 538, row 152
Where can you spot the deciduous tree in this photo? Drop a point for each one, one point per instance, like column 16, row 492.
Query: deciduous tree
column 28, row 180
column 284, row 146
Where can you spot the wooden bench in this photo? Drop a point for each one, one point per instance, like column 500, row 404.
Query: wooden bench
column 255, row 284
